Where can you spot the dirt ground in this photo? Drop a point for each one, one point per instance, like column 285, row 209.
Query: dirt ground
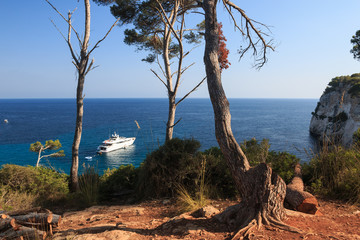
column 160, row 220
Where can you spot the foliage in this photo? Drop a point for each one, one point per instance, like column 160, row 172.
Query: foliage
column 148, row 26
column 218, row 177
column 353, row 80
column 89, row 182
column 282, row 163
column 335, row 172
column 171, row 165
column 117, row 180
column 356, row 138
column 256, row 152
column 42, row 185
column 49, row 145
column 355, row 41
column 223, row 51
column 187, row 201
column 179, row 165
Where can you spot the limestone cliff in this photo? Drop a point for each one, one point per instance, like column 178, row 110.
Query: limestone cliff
column 337, row 114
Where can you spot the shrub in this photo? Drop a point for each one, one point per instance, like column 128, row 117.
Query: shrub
column 335, row 172
column 188, row 202
column 89, row 182
column 43, row 185
column 217, row 176
column 256, row 152
column 116, row 180
column 283, row 163
column 356, row 138
column 171, row 165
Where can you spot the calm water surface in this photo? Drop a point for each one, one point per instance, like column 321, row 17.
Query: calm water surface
column 285, row 122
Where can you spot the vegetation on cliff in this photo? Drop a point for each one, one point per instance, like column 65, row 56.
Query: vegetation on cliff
column 353, row 80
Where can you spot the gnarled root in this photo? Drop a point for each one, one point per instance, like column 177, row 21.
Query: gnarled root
column 263, row 205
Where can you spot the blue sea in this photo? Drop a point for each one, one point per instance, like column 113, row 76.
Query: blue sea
column 285, row 122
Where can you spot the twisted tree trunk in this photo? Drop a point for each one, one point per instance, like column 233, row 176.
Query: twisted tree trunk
column 262, row 191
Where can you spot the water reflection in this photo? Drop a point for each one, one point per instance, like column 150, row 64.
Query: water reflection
column 116, row 158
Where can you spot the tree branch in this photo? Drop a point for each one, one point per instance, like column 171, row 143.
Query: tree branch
column 190, row 91
column 77, row 35
column 246, row 32
column 160, row 79
column 96, row 45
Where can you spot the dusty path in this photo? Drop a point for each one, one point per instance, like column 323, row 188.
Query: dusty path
column 159, row 220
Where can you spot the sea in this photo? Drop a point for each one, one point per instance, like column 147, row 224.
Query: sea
column 285, row 122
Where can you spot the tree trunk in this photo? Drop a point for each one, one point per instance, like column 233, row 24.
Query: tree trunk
column 82, row 70
column 171, row 118
column 261, row 190
column 39, row 157
column 74, row 184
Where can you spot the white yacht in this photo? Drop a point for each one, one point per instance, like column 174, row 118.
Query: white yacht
column 115, row 142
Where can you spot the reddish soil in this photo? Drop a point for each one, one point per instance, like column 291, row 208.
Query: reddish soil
column 160, row 220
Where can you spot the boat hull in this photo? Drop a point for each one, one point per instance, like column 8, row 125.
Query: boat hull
column 116, row 146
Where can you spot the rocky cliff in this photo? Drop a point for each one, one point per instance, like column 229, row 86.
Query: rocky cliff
column 337, row 114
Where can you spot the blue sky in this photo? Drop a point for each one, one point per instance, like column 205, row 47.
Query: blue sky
column 312, row 39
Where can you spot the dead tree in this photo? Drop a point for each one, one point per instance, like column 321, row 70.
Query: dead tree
column 83, row 67
column 262, row 191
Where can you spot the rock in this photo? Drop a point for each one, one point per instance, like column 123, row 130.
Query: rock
column 337, row 114
column 207, row 211
column 166, row 202
column 138, row 211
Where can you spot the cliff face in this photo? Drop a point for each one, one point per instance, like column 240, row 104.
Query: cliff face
column 337, row 114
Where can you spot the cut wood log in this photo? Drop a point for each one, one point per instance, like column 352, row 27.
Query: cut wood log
column 299, row 199
column 3, row 216
column 56, row 220
column 7, row 223
column 35, row 218
column 23, row 232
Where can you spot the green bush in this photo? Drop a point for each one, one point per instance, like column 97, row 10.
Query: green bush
column 45, row 185
column 116, row 180
column 173, row 164
column 334, row 172
column 89, row 182
column 283, row 163
column 356, row 138
column 217, row 176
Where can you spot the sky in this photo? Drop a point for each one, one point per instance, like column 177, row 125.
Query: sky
column 312, row 41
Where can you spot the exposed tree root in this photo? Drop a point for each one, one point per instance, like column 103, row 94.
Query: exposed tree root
column 263, row 206
column 250, row 221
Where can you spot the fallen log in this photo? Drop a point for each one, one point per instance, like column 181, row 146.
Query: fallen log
column 44, row 218
column 7, row 223
column 299, row 199
column 56, row 220
column 23, row 233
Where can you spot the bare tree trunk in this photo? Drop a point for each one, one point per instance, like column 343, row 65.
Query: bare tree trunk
column 74, row 184
column 171, row 118
column 82, row 70
column 81, row 62
column 262, row 191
